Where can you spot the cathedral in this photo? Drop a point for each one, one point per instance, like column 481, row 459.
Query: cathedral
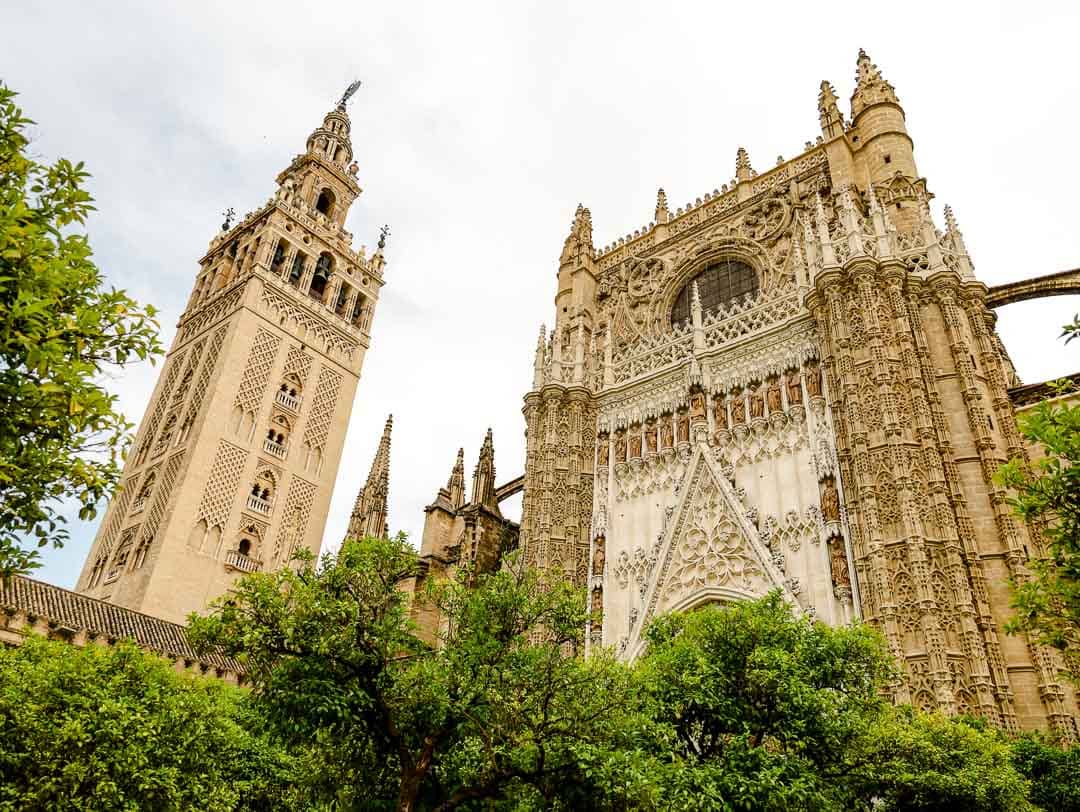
column 791, row 383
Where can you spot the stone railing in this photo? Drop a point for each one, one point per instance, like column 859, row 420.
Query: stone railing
column 258, row 505
column 291, row 402
column 278, row 450
column 241, row 561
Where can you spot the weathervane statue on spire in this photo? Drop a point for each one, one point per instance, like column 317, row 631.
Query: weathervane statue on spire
column 349, row 91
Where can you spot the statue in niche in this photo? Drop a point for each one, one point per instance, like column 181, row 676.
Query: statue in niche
column 684, row 427
column 697, row 406
column 838, row 563
column 794, row 388
column 597, row 604
column 720, row 412
column 757, row 405
column 635, row 444
column 830, row 502
column 666, row 435
column 738, row 410
column 813, row 379
column 773, row 396
column 602, row 452
column 598, row 557
column 620, row 447
column 650, row 438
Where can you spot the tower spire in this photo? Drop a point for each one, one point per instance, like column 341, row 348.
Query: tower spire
column 456, row 484
column 870, row 87
column 370, row 510
column 483, row 484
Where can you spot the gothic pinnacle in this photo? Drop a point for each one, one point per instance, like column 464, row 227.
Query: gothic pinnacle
column 743, row 170
column 370, row 511
column 456, row 484
column 663, row 214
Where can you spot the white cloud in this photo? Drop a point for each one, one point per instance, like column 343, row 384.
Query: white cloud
column 479, row 128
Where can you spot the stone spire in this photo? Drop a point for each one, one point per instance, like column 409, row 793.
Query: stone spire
column 455, row 486
column 369, row 512
column 579, row 241
column 832, row 122
column 743, row 170
column 870, row 87
column 663, row 214
column 955, row 241
column 483, row 483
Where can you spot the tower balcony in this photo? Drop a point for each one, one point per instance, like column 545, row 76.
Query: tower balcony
column 258, row 505
column 138, row 506
column 237, row 560
column 278, row 450
column 291, row 402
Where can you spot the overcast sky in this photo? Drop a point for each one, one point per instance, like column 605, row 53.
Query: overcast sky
column 480, row 127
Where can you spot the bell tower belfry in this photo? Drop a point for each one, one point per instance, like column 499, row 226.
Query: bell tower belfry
column 235, row 459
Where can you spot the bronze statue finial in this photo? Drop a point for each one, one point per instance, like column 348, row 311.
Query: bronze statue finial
column 349, row 91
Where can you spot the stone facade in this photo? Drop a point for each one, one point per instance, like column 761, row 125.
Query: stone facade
column 460, row 532
column 234, row 461
column 793, row 383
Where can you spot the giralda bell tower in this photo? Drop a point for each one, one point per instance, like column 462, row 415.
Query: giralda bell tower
column 235, row 459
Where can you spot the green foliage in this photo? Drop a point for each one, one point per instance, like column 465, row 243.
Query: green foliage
column 758, row 709
column 916, row 761
column 1047, row 496
column 1054, row 772
column 1071, row 330
column 761, row 708
column 116, row 728
column 60, row 434
column 494, row 712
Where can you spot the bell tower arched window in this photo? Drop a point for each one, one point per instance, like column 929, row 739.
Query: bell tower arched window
column 323, row 270
column 718, row 285
column 325, row 203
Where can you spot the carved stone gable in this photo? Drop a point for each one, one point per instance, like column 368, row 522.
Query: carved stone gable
column 710, row 550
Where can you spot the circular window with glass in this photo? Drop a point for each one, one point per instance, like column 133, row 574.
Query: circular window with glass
column 718, row 285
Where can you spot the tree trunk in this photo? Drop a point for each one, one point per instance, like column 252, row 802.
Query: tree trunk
column 412, row 778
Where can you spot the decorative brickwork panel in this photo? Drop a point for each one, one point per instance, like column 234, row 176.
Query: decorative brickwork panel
column 160, row 405
column 163, row 492
column 333, row 340
column 115, row 517
column 198, row 391
column 206, row 316
column 220, row 492
column 294, row 520
column 260, row 361
column 323, row 404
column 297, row 363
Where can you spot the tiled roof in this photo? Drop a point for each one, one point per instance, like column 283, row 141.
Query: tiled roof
column 1035, row 392
column 64, row 608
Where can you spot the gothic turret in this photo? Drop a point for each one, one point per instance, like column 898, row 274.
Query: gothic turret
column 370, row 511
column 483, row 483
column 832, row 122
column 577, row 276
column 878, row 129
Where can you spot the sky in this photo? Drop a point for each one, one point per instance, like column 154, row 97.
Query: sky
column 480, row 127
